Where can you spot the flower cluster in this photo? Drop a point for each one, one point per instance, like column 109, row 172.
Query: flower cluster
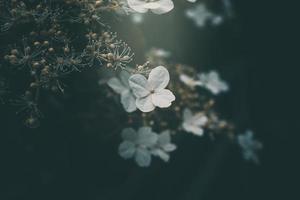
column 144, row 143
column 249, row 146
column 43, row 42
column 138, row 92
column 201, row 16
column 192, row 112
column 210, row 81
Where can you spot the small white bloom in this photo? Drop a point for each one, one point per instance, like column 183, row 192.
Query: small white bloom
column 212, row 82
column 160, row 53
column 137, row 145
column 151, row 93
column 163, row 146
column 156, row 6
column 121, row 86
column 192, row 1
column 137, row 18
column 201, row 15
column 194, row 123
column 249, row 146
column 189, row 81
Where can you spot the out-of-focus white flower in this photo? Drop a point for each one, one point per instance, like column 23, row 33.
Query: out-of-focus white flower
column 189, row 81
column 137, row 18
column 121, row 86
column 201, row 15
column 160, row 53
column 151, row 93
column 213, row 83
column 157, row 56
column 192, row 1
column 163, row 146
column 249, row 146
column 137, row 145
column 156, row 6
column 194, row 123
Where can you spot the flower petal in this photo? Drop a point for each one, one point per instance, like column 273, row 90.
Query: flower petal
column 124, row 78
column 129, row 134
column 146, row 137
column 152, row 5
column 162, row 154
column 137, row 5
column 169, row 147
column 143, row 157
column 187, row 114
column 116, row 85
column 189, row 81
column 145, row 104
column 164, row 138
column 139, row 85
column 199, row 119
column 163, row 98
column 127, row 149
column 128, row 101
column 193, row 129
column 158, row 78
column 165, row 6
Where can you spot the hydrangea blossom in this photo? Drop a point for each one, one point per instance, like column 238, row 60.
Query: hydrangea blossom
column 121, row 86
column 194, row 123
column 156, row 6
column 151, row 93
column 201, row 15
column 189, row 81
column 213, row 83
column 249, row 146
column 163, row 146
column 137, row 145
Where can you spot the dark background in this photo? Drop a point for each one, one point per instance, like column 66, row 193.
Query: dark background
column 255, row 52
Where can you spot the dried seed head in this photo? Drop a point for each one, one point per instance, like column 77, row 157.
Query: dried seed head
column 110, row 56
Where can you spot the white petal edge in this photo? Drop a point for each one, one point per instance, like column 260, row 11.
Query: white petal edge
column 145, row 104
column 127, row 149
column 128, row 101
column 137, row 5
column 143, row 157
column 129, row 134
column 139, row 85
column 158, row 78
column 116, row 85
column 163, row 98
column 165, row 6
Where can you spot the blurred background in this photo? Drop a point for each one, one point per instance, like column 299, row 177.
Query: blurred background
column 67, row 158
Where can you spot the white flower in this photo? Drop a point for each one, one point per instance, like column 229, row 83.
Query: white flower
column 194, row 123
column 213, row 82
column 163, row 146
column 121, row 86
column 249, row 146
column 192, row 1
column 151, row 93
column 137, row 18
column 156, row 6
column 160, row 53
column 189, row 81
column 137, row 145
column 201, row 15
